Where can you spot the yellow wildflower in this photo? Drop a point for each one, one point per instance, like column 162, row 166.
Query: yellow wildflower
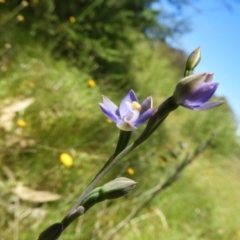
column 21, row 123
column 109, row 120
column 31, row 84
column 24, row 3
column 91, row 83
column 66, row 159
column 238, row 233
column 72, row 19
column 20, row 18
column 130, row 171
column 2, row 1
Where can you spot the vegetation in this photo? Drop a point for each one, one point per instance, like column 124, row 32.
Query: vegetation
column 56, row 62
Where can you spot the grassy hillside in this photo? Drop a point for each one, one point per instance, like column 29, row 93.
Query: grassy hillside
column 63, row 116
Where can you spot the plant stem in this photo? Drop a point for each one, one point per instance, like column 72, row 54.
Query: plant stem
column 173, row 178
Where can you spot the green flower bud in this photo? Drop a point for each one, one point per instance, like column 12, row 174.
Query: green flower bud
column 92, row 198
column 192, row 61
column 114, row 189
column 117, row 188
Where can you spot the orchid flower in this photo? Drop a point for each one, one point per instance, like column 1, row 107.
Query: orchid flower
column 194, row 91
column 130, row 113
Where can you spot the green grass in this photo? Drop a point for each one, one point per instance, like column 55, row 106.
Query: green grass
column 65, row 117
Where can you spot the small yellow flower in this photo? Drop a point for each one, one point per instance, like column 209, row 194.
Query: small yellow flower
column 238, row 233
column 130, row 171
column 91, row 83
column 2, row 1
column 72, row 19
column 31, row 84
column 66, row 159
column 20, row 18
column 21, row 123
column 109, row 120
column 24, row 3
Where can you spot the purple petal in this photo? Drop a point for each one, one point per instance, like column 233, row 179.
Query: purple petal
column 130, row 97
column 109, row 104
column 204, row 92
column 146, row 104
column 109, row 114
column 204, row 106
column 126, row 126
column 144, row 117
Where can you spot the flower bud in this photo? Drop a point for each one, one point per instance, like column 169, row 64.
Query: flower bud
column 194, row 91
column 114, row 189
column 117, row 188
column 193, row 59
column 92, row 198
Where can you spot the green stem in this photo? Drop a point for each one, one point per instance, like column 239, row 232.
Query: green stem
column 164, row 109
column 159, row 188
column 160, row 115
column 123, row 140
column 121, row 150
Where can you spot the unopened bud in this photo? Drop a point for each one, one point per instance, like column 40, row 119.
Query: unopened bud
column 114, row 189
column 92, row 198
column 117, row 188
column 194, row 91
column 192, row 61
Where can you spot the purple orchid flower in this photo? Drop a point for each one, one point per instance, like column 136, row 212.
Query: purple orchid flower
column 130, row 113
column 194, row 91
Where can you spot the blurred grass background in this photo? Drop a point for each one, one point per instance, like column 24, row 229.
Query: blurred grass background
column 57, row 59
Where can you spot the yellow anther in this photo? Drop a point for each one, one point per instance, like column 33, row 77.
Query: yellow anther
column 136, row 106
